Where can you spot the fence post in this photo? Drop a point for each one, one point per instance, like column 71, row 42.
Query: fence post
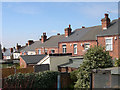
column 14, row 70
column 58, row 82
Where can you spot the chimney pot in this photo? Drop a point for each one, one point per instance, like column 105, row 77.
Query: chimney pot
column 106, row 15
column 83, row 26
column 43, row 37
column 68, row 31
column 11, row 50
column 30, row 42
column 69, row 26
column 58, row 33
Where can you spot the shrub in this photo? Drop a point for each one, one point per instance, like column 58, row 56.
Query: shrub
column 95, row 57
column 45, row 79
column 117, row 62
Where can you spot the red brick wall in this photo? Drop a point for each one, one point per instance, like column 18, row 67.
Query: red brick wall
column 48, row 50
column 80, row 49
column 116, row 48
column 22, row 63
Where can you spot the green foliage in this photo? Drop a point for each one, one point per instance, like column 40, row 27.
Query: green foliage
column 95, row 57
column 117, row 62
column 45, row 79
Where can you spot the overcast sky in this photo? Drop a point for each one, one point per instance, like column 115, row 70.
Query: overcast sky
column 22, row 21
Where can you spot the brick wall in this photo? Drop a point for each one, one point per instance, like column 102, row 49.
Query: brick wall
column 22, row 63
column 48, row 50
column 80, row 49
column 116, row 48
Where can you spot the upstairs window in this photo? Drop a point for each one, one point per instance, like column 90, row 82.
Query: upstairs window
column 75, row 48
column 109, row 44
column 64, row 48
column 45, row 51
column 52, row 51
column 39, row 51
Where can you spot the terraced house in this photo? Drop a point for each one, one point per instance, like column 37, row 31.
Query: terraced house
column 80, row 40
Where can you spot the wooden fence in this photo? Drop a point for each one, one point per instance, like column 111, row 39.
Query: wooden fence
column 10, row 71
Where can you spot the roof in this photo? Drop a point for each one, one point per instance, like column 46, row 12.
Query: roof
column 18, row 51
column 32, row 47
column 113, row 70
column 52, row 41
column 84, row 34
column 7, row 52
column 32, row 59
column 73, row 63
column 113, row 29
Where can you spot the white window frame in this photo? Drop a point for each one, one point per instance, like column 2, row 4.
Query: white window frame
column 52, row 50
column 75, row 48
column 87, row 47
column 111, row 43
column 64, row 49
column 39, row 51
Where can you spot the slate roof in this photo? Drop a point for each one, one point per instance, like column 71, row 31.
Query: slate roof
column 18, row 51
column 52, row 41
column 73, row 63
column 7, row 52
column 83, row 34
column 32, row 47
column 32, row 59
column 113, row 29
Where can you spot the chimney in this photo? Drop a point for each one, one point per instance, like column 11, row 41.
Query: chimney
column 83, row 26
column 68, row 31
column 30, row 42
column 26, row 44
column 18, row 46
column 43, row 37
column 4, row 49
column 11, row 50
column 105, row 22
column 58, row 33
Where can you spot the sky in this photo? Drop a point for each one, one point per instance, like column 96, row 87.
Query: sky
column 23, row 21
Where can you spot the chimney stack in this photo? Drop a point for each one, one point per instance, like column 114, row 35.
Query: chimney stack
column 83, row 26
column 18, row 46
column 4, row 49
column 30, row 42
column 43, row 37
column 105, row 22
column 11, row 50
column 26, row 44
column 68, row 31
column 58, row 33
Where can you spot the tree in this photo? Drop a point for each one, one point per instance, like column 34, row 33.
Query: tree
column 96, row 57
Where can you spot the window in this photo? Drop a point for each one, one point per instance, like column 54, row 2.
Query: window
column 39, row 51
column 45, row 51
column 64, row 48
column 109, row 44
column 52, row 51
column 86, row 46
column 75, row 48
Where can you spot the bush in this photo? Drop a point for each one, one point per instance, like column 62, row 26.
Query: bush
column 45, row 79
column 117, row 62
column 95, row 57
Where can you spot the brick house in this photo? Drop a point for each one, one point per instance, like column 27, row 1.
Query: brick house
column 80, row 40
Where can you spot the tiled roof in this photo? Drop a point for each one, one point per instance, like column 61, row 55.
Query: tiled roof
column 32, row 59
